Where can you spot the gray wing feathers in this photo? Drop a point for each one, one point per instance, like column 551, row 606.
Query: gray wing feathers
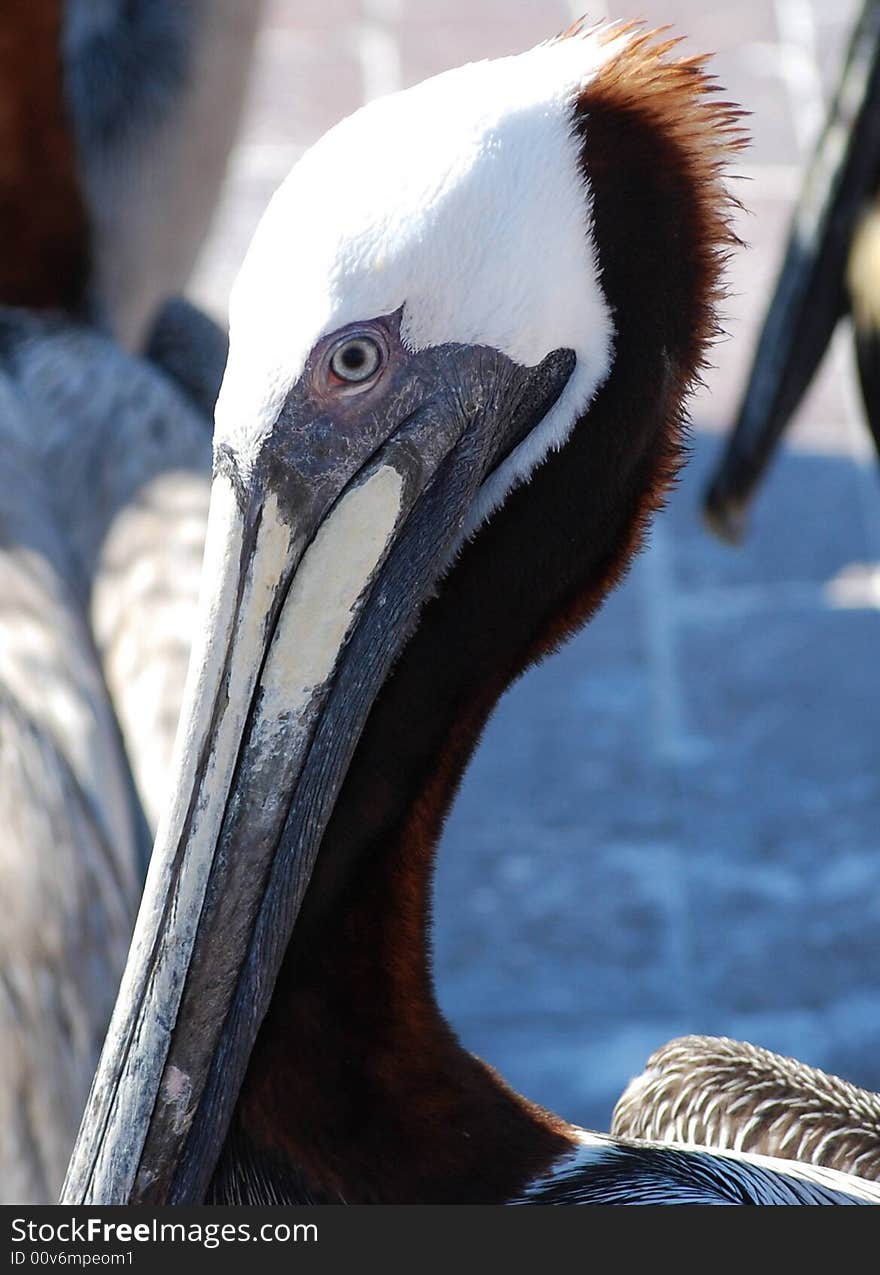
column 133, row 460
column 68, row 845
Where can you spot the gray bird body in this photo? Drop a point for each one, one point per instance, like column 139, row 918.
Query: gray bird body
column 102, row 515
column 106, row 469
column 135, row 456
column 69, row 856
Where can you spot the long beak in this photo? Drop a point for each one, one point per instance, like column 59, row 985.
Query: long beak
column 302, row 615
column 810, row 294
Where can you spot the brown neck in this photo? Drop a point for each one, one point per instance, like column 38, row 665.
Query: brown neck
column 357, row 1079
column 357, row 1087
column 43, row 225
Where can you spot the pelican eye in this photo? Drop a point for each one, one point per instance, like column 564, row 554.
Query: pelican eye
column 356, row 359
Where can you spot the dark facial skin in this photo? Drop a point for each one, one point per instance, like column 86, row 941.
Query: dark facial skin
column 328, row 430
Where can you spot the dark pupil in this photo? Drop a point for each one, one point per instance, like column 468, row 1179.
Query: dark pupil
column 354, row 357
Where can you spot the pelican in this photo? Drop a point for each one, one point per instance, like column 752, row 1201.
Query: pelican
column 461, row 344
column 727, row 1093
column 103, row 503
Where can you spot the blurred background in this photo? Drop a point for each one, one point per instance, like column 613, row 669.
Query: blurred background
column 674, row 824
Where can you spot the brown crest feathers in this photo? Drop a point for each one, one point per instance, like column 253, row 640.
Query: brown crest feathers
column 697, row 133
column 655, row 142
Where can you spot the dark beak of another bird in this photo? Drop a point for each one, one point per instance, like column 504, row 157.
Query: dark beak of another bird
column 811, row 294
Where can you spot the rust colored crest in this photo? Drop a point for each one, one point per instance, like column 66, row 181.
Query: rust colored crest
column 693, row 135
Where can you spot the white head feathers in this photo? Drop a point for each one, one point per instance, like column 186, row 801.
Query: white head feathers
column 462, row 200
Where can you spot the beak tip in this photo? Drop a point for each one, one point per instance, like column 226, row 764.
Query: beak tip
column 725, row 516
